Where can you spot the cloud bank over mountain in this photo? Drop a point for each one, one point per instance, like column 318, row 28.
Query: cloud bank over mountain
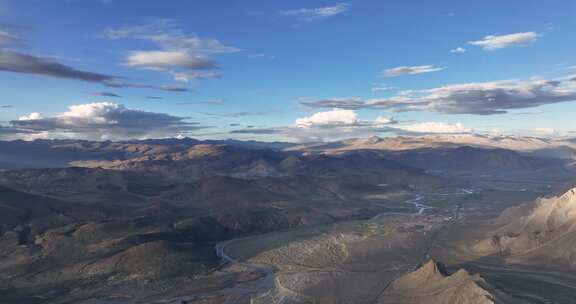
column 103, row 120
column 481, row 98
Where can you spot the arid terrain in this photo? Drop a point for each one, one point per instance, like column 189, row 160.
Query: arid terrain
column 287, row 152
column 424, row 220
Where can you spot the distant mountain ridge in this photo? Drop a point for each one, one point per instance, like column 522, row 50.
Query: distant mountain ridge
column 61, row 152
column 55, row 153
column 545, row 147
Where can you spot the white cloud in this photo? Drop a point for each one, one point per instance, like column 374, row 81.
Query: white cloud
column 458, row 50
column 166, row 35
column 384, row 120
column 16, row 62
column 187, row 76
column 104, row 120
column 328, row 118
column 496, row 42
column 435, row 127
column 165, row 60
column 481, row 98
column 545, row 131
column 311, row 14
column 380, row 88
column 340, row 124
column 411, row 70
column 177, row 53
column 496, row 97
column 7, row 38
column 331, row 125
column 31, row 116
column 92, row 113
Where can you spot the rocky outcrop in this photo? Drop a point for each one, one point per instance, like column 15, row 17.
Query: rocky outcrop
column 543, row 232
column 431, row 284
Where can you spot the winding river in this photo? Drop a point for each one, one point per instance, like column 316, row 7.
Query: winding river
column 268, row 281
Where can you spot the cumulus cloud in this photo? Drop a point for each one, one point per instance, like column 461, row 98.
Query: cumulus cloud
column 105, row 120
column 338, row 124
column 337, row 117
column 335, row 124
column 434, row 127
column 31, row 116
column 384, row 120
column 411, row 70
column 483, row 98
column 496, row 42
column 545, row 131
column 458, row 50
column 312, row 14
column 347, row 121
column 178, row 53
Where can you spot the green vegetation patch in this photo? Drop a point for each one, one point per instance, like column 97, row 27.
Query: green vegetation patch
column 374, row 229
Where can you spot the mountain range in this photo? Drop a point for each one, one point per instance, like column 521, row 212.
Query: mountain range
column 139, row 220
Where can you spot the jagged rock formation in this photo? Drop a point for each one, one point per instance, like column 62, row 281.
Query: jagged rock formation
column 543, row 232
column 430, row 284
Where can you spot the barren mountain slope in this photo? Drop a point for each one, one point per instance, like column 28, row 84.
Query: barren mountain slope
column 430, row 284
column 57, row 153
column 475, row 160
column 556, row 148
column 540, row 233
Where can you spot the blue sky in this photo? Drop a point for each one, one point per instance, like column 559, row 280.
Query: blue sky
column 254, row 69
